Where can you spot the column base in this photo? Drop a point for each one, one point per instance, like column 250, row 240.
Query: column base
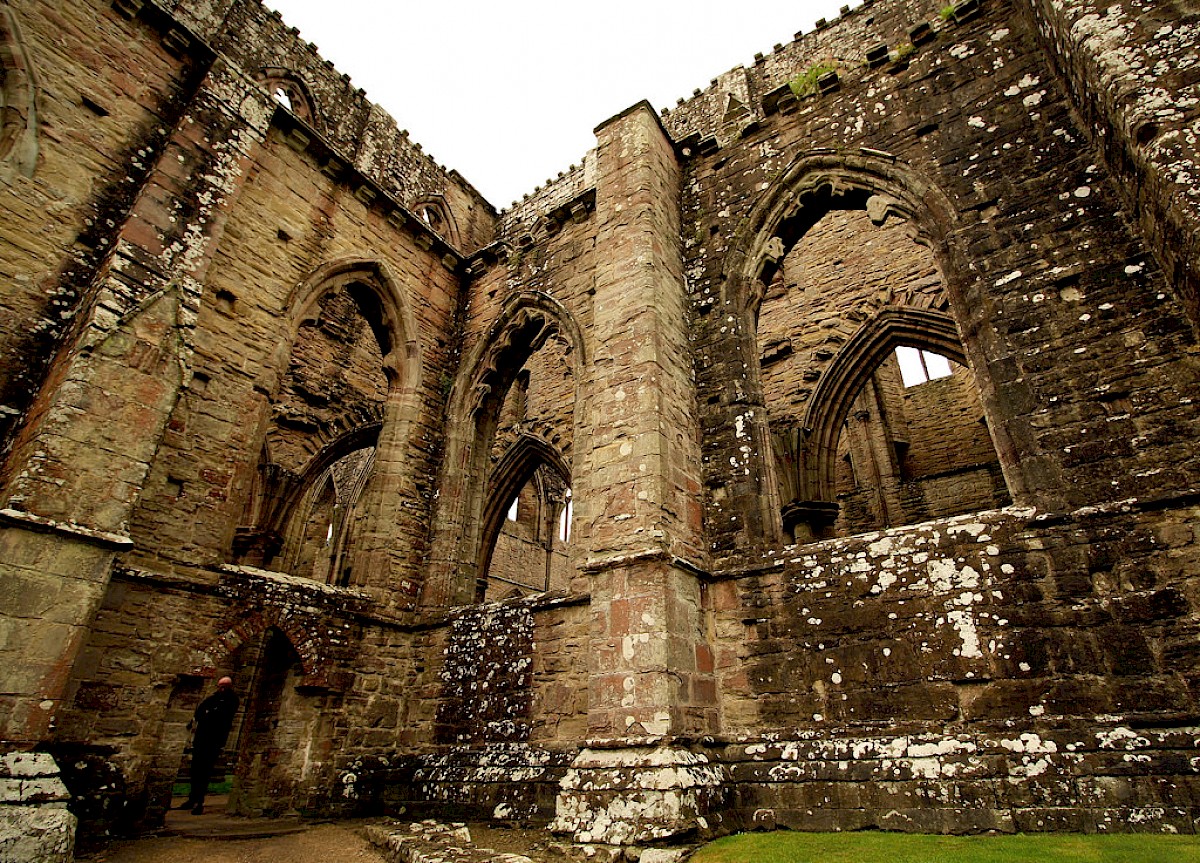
column 638, row 795
column 809, row 520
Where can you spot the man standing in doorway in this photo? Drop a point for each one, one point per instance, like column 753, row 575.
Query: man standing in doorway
column 211, row 724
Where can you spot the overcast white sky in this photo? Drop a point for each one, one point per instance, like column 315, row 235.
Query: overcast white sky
column 508, row 92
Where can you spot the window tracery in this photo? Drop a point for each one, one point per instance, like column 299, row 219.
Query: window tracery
column 841, row 289
column 286, row 89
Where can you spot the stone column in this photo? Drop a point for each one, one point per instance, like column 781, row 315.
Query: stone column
column 389, row 492
column 78, row 465
column 651, row 680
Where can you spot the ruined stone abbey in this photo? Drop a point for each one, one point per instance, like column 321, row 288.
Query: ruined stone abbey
column 820, row 452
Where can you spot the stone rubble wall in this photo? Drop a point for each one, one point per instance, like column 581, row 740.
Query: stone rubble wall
column 510, row 707
column 433, row 842
column 1100, row 779
column 841, row 44
column 464, row 714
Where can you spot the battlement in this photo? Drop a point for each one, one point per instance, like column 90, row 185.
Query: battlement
column 360, row 134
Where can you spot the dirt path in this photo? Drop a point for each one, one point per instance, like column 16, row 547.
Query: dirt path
column 321, row 843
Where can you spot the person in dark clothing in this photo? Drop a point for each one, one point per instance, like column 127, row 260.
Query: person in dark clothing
column 211, row 725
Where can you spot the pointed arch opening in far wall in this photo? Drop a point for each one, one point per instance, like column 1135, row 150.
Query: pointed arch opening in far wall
column 289, row 90
column 853, row 200
column 347, row 394
column 524, row 540
column 519, row 381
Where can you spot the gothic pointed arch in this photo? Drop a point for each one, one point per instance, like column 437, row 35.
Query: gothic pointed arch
column 516, row 467
column 834, row 395
column 813, row 185
column 525, row 324
column 316, row 515
column 798, row 482
column 18, row 102
column 358, row 438
column 384, row 304
column 348, row 371
column 288, row 89
column 435, row 213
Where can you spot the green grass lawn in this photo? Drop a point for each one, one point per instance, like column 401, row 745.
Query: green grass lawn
column 785, row 847
column 180, row 789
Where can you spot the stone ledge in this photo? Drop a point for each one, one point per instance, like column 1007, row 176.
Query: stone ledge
column 297, row 582
column 39, row 790
column 27, row 765
column 639, row 796
column 437, row 618
column 652, row 554
column 39, row 524
column 436, row 842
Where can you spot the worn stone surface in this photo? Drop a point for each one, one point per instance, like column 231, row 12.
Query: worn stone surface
column 433, row 842
column 35, row 825
column 639, row 795
column 271, row 380
column 33, row 834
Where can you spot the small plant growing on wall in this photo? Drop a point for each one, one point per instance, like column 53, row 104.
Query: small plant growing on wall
column 947, row 12
column 805, row 84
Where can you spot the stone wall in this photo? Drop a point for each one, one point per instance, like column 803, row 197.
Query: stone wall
column 1132, row 70
column 265, row 332
column 504, row 717
column 1003, row 671
column 92, row 126
column 34, row 821
column 1025, row 307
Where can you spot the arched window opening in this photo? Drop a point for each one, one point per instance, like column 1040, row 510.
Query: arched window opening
column 319, row 537
column 286, row 89
column 308, row 554
column 918, row 366
column 533, row 427
column 918, row 449
column 435, row 215
column 531, row 552
column 515, row 404
column 304, row 511
column 874, row 417
column 564, row 519
column 431, row 215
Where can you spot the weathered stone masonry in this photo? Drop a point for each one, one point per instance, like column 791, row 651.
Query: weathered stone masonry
column 273, row 378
